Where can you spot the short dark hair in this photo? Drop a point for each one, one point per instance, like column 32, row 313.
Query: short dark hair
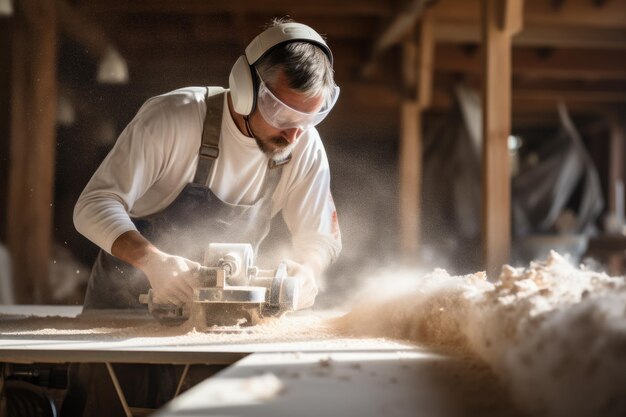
column 307, row 67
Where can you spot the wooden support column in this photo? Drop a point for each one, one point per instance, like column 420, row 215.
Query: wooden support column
column 616, row 185
column 616, row 167
column 32, row 143
column 501, row 19
column 417, row 75
column 5, row 88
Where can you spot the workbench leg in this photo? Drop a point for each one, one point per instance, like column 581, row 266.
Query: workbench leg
column 182, row 379
column 118, row 389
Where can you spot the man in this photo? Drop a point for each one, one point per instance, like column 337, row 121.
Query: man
column 200, row 165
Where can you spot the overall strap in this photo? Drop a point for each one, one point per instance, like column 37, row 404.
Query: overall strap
column 274, row 172
column 209, row 149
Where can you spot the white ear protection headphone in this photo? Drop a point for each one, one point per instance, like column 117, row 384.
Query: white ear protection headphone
column 242, row 82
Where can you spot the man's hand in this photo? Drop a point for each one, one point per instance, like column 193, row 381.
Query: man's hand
column 306, row 281
column 171, row 277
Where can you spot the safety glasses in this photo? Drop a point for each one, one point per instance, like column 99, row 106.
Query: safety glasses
column 281, row 116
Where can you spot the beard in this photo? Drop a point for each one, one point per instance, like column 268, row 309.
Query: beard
column 276, row 147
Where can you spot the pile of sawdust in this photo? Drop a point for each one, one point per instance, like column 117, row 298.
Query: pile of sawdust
column 426, row 309
column 556, row 334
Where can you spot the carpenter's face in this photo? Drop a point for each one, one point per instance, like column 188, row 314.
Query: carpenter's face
column 274, row 141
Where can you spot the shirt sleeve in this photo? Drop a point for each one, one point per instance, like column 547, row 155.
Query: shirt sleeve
column 102, row 211
column 310, row 214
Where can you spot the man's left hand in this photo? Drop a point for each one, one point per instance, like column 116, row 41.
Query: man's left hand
column 306, row 281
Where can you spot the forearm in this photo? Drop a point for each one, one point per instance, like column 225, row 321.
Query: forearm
column 131, row 247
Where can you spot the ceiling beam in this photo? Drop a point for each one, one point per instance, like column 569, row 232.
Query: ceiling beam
column 400, row 26
column 447, row 31
column 611, row 14
column 280, row 7
column 568, row 96
column 554, row 64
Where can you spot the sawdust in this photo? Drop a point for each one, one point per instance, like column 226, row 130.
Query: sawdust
column 309, row 331
column 554, row 333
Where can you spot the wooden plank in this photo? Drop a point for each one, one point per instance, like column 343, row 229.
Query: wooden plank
column 496, row 180
column 31, row 179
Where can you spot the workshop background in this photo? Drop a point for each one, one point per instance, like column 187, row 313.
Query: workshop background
column 409, row 172
column 468, row 134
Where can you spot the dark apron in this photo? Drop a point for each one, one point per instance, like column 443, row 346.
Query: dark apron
column 196, row 218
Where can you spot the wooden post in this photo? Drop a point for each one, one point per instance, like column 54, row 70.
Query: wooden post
column 410, row 156
column 418, row 76
column 5, row 88
column 32, row 143
column 501, row 18
column 410, row 176
column 426, row 61
column 616, row 166
column 616, row 185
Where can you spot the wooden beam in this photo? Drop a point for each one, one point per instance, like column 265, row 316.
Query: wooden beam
column 5, row 126
column 555, row 64
column 425, row 61
column 616, row 166
column 569, row 96
column 210, row 28
column 410, row 165
column 82, row 30
column 401, row 26
column 453, row 31
column 31, row 180
column 511, row 15
column 541, row 12
column 410, row 180
column 496, row 179
column 273, row 7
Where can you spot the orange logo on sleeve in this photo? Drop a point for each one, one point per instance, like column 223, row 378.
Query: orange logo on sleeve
column 334, row 220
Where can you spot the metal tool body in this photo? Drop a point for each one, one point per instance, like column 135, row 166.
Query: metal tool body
column 230, row 290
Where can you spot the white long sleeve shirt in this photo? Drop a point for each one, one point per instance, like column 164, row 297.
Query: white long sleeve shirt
column 157, row 154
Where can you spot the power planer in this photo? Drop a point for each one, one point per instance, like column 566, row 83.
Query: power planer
column 230, row 290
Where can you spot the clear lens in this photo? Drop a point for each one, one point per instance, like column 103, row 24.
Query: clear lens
column 281, row 116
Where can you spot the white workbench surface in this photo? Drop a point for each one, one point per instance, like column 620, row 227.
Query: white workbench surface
column 27, row 339
column 407, row 383
column 315, row 377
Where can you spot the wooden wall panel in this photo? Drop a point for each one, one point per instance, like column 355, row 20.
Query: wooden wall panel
column 32, row 143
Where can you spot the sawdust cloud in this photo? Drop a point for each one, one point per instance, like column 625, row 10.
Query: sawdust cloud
column 554, row 333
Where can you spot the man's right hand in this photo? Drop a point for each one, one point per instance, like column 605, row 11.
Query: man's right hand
column 171, row 277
